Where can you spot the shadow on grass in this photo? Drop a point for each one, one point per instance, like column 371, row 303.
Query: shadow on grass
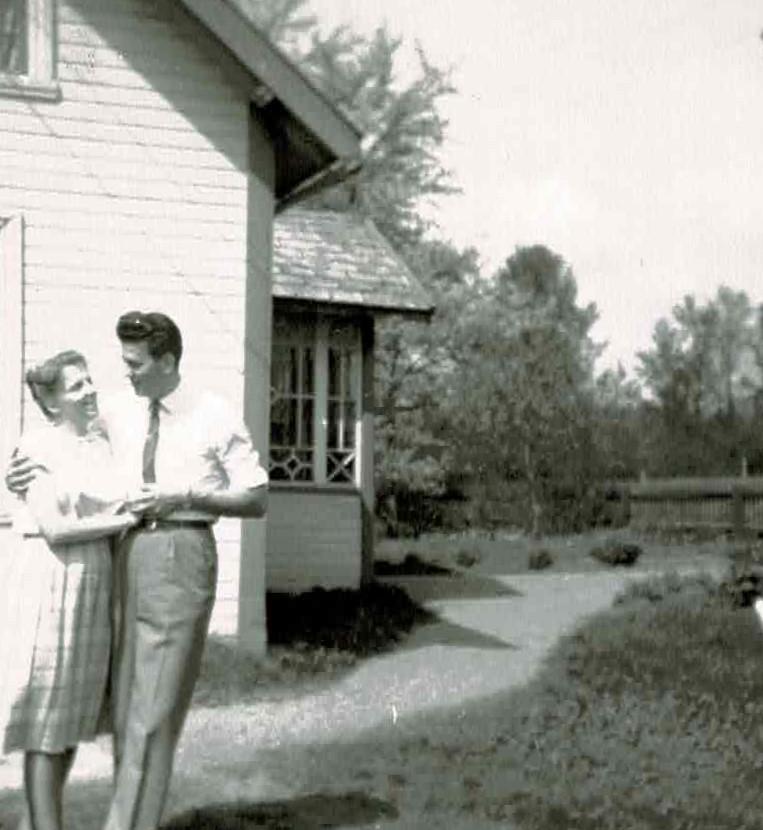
column 441, row 632
column 316, row 638
column 86, row 805
column 412, row 565
column 459, row 586
column 310, row 812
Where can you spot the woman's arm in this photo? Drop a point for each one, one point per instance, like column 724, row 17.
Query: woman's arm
column 60, row 528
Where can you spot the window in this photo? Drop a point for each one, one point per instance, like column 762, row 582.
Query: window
column 14, row 49
column 315, row 401
column 292, row 412
column 26, row 48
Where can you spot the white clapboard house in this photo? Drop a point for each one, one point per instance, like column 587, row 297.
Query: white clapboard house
column 145, row 149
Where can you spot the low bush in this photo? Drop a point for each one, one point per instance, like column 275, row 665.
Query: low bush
column 743, row 583
column 412, row 565
column 614, row 552
column 700, row 587
column 363, row 622
column 538, row 560
column 468, row 558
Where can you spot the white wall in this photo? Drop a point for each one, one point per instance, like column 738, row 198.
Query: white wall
column 134, row 192
column 314, row 539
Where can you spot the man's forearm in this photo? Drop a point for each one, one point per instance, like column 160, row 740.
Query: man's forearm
column 251, row 503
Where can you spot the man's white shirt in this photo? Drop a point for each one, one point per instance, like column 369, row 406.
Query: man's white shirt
column 203, row 443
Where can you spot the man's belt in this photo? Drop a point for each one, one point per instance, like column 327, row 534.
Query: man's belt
column 168, row 523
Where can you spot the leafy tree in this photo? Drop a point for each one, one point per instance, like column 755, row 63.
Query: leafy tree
column 619, row 416
column 402, row 127
column 704, row 376
column 520, row 394
column 414, row 434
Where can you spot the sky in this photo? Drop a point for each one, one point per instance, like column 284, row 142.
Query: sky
column 627, row 135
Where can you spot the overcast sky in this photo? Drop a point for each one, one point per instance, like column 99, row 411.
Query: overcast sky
column 625, row 134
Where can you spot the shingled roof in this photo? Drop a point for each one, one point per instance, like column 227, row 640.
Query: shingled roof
column 340, row 258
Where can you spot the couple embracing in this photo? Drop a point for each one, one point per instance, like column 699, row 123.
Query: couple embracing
column 112, row 581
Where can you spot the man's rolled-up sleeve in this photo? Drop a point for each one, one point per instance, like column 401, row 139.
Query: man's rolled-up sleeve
column 238, row 457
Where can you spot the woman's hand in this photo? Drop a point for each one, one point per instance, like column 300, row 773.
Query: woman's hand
column 153, row 502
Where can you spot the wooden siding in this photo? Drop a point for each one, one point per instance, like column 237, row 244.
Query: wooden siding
column 134, row 190
column 314, row 539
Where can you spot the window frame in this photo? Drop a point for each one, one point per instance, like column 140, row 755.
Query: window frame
column 39, row 80
column 12, row 353
column 315, row 333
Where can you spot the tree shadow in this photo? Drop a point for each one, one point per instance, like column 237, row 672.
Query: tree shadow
column 442, row 632
column 86, row 805
column 309, row 812
column 458, row 586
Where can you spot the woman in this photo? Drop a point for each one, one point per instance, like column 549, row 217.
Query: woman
column 57, row 635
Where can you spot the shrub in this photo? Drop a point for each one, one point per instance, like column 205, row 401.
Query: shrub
column 538, row 560
column 466, row 558
column 412, row 565
column 363, row 622
column 668, row 586
column 743, row 582
column 614, row 552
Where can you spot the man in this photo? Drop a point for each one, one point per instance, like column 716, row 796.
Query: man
column 196, row 462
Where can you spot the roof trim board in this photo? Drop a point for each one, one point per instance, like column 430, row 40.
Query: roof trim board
column 278, row 75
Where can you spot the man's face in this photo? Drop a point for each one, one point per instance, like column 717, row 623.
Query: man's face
column 148, row 375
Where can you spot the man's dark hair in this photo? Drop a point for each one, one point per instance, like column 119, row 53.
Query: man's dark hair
column 157, row 330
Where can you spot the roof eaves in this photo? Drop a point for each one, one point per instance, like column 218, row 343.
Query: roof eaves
column 261, row 58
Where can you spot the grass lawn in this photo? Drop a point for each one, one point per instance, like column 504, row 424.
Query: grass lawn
column 506, row 552
column 649, row 716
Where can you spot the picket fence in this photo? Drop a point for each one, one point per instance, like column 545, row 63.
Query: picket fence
column 723, row 504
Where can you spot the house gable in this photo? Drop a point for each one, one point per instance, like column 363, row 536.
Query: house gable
column 315, row 143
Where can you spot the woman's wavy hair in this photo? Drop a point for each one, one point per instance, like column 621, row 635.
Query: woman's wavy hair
column 43, row 378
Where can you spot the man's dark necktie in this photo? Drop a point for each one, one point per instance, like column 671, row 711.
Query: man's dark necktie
column 152, row 439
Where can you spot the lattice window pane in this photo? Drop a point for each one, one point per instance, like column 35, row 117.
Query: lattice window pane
column 14, row 57
column 348, row 422
column 306, row 432
column 332, row 437
column 291, row 465
column 340, row 467
column 291, row 412
column 308, row 372
column 342, row 411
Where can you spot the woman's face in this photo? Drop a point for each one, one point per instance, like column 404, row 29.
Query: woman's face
column 75, row 400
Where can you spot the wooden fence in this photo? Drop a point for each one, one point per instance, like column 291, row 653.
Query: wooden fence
column 723, row 504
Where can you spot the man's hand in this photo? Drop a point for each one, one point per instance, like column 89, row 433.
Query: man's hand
column 21, row 472
column 155, row 503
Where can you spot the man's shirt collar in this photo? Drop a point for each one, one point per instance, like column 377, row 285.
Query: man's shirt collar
column 175, row 401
